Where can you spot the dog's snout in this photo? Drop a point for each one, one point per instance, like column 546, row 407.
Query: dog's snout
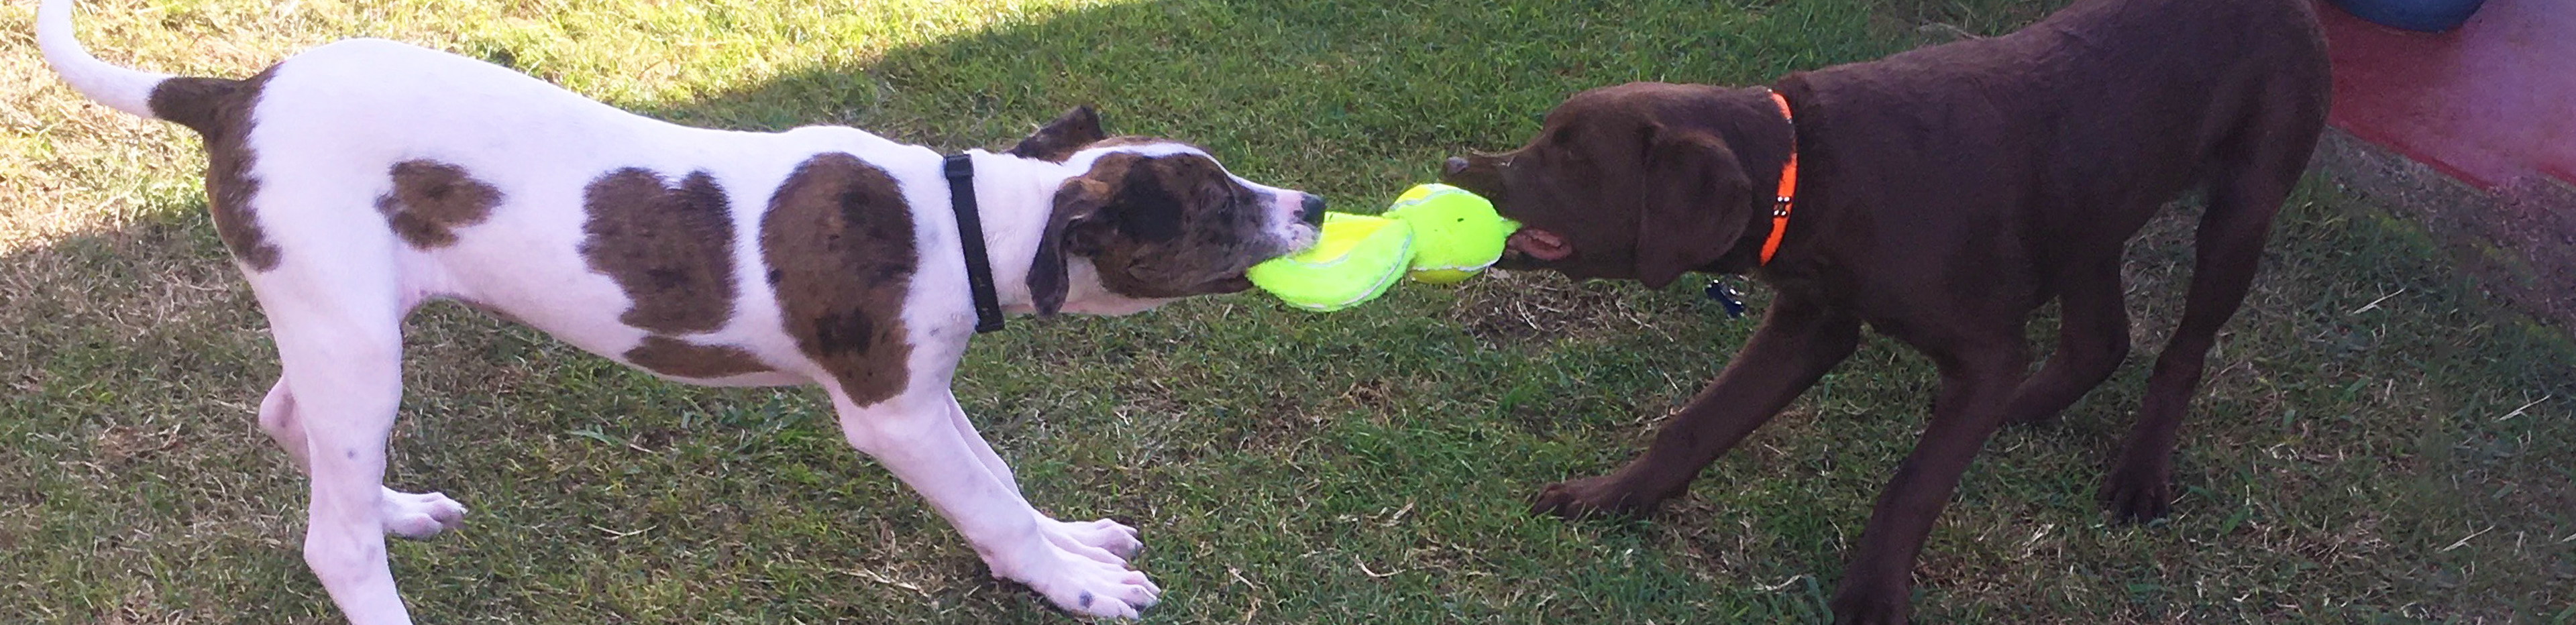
column 1313, row 210
column 1456, row 165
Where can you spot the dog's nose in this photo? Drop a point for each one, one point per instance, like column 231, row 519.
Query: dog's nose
column 1456, row 165
column 1314, row 210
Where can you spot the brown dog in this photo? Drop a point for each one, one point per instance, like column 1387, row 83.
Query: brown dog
column 1940, row 196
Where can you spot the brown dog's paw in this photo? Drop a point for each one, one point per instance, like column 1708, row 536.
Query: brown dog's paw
column 2137, row 495
column 1876, row 606
column 1589, row 497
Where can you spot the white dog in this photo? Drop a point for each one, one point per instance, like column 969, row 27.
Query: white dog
column 359, row 179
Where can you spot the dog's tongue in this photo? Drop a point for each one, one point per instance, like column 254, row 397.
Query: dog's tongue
column 1539, row 244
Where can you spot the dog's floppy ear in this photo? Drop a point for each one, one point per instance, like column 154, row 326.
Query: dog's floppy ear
column 1690, row 204
column 1075, row 204
column 1062, row 137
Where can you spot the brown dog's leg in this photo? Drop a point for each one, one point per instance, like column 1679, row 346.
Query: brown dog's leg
column 1799, row 340
column 2227, row 249
column 2092, row 339
column 1977, row 378
column 2252, row 174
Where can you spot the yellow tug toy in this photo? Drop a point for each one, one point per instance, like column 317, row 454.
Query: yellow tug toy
column 1437, row 233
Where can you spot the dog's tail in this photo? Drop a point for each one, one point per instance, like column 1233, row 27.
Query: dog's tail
column 120, row 88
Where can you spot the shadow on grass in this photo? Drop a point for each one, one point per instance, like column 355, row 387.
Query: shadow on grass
column 1359, row 98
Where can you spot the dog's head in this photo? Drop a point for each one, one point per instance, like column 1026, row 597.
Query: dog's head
column 1150, row 220
column 1632, row 181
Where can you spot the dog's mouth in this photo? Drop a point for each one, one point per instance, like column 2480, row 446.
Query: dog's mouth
column 1538, row 245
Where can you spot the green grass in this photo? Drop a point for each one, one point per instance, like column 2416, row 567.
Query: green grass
column 2364, row 414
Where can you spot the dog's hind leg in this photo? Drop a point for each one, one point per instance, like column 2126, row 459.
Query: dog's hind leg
column 1104, row 540
column 2251, row 180
column 2092, row 340
column 407, row 515
column 337, row 325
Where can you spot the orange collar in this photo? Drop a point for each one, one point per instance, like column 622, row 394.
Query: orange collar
column 1788, row 183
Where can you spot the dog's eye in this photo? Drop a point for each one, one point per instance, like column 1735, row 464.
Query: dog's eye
column 1230, row 195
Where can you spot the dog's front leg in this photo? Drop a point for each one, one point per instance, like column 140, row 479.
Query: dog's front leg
column 1103, row 539
column 921, row 437
column 1978, row 376
column 1799, row 340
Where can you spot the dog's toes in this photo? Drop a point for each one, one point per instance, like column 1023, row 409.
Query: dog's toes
column 420, row 516
column 1103, row 540
column 1117, row 538
column 1091, row 588
column 2137, row 496
column 1586, row 498
column 1556, row 500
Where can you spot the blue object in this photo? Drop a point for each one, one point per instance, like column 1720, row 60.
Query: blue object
column 1725, row 296
column 2430, row 16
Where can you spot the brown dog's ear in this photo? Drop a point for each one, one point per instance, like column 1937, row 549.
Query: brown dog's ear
column 1075, row 204
column 1062, row 137
column 1691, row 204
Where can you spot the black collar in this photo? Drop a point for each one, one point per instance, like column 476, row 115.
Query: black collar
column 970, row 235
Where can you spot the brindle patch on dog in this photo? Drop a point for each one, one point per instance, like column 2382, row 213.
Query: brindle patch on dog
column 430, row 200
column 677, row 358
column 1174, row 226
column 219, row 110
column 1069, row 133
column 670, row 248
column 838, row 240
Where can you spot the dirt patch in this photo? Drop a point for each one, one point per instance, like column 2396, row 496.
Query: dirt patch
column 2520, row 241
column 1513, row 306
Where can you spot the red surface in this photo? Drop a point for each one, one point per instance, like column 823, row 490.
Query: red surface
column 2490, row 102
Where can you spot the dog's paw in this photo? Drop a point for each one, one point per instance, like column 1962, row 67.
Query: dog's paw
column 2135, row 494
column 421, row 516
column 1089, row 587
column 1103, row 540
column 1870, row 606
column 1590, row 497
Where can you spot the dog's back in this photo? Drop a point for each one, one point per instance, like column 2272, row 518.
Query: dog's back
column 2073, row 129
column 585, row 220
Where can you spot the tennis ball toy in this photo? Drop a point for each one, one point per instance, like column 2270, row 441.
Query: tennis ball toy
column 1439, row 233
column 1456, row 233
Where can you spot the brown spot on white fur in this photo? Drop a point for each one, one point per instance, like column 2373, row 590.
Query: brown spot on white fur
column 220, row 111
column 430, row 200
column 670, row 248
column 838, row 240
column 677, row 358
